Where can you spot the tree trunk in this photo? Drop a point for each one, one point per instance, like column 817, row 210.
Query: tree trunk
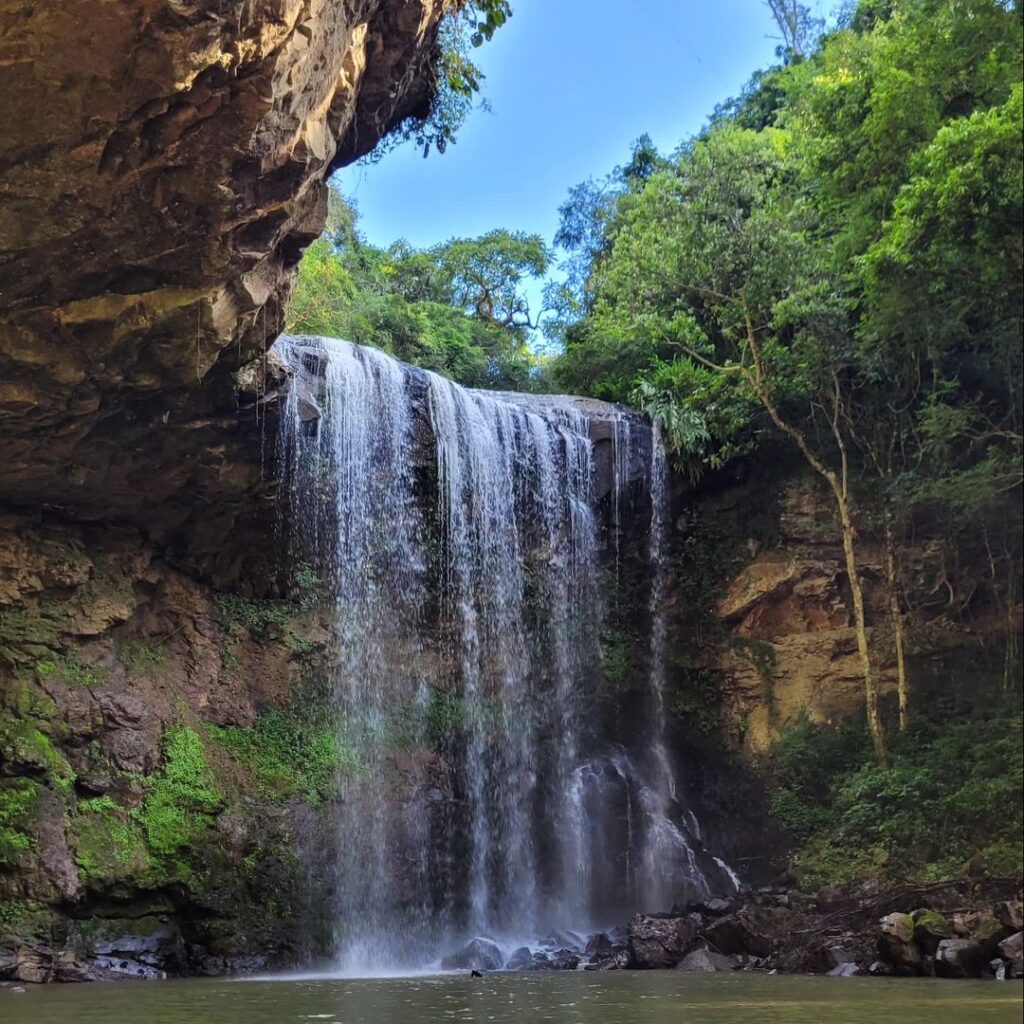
column 902, row 686
column 875, row 726
column 757, row 380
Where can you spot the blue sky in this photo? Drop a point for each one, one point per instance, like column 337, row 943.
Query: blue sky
column 570, row 84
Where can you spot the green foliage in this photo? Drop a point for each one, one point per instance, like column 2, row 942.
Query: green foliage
column 445, row 716
column 698, row 701
column 458, row 308
column 72, row 671
column 260, row 617
column 618, row 656
column 181, row 797
column 836, row 260
column 950, row 805
column 18, row 801
column 309, row 588
column 457, row 80
column 288, row 755
column 12, row 911
column 23, row 743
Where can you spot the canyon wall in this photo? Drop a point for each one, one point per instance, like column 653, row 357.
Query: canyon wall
column 162, row 168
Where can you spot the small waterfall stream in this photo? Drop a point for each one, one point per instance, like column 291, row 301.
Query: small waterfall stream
column 458, row 532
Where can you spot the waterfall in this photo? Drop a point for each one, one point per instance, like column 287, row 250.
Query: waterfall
column 459, row 536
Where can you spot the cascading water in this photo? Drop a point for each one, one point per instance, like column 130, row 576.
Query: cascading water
column 458, row 535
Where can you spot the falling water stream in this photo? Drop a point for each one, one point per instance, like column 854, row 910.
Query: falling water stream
column 458, row 532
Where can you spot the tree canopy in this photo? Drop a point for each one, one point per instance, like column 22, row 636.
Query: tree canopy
column 458, row 308
column 835, row 262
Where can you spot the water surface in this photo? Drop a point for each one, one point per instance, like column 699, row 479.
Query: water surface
column 627, row 998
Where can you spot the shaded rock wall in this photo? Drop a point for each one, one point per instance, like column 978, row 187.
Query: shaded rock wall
column 162, row 168
column 776, row 619
column 136, row 797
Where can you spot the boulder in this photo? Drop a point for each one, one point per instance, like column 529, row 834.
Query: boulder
column 896, row 945
column 559, row 960
column 564, row 959
column 752, row 929
column 658, row 941
column 988, row 931
column 1010, row 914
column 1012, row 947
column 562, row 940
column 984, row 927
column 959, row 958
column 618, row 961
column 930, row 928
column 713, row 907
column 1012, row 952
column 836, row 956
column 599, row 946
column 478, row 954
column 705, row 961
column 520, row 960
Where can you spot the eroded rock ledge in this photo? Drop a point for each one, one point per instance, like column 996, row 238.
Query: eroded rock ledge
column 162, row 169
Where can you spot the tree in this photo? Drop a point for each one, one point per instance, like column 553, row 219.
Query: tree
column 467, row 24
column 797, row 26
column 716, row 260
column 484, row 276
column 458, row 309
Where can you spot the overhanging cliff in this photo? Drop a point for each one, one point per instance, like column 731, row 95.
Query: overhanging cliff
column 163, row 168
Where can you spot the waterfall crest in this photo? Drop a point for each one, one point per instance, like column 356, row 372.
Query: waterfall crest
column 459, row 534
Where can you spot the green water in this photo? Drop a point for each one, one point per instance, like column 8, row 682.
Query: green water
column 627, row 998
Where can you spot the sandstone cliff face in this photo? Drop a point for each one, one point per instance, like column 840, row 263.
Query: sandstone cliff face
column 162, row 168
column 785, row 649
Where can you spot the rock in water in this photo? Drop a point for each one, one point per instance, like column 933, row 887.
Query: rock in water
column 478, row 954
column 959, row 958
column 520, row 960
column 659, row 942
column 930, row 928
column 896, row 944
column 1012, row 950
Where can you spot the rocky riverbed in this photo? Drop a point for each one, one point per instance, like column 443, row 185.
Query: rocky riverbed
column 941, row 933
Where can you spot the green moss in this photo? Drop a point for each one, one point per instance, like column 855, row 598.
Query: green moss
column 288, row 755
column 22, row 743
column 309, row 588
column 298, row 643
column 181, row 797
column 18, row 803
column 143, row 657
column 27, row 625
column 107, row 841
column 698, row 702
column 29, row 701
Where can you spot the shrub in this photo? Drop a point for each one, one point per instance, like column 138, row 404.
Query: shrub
column 950, row 805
